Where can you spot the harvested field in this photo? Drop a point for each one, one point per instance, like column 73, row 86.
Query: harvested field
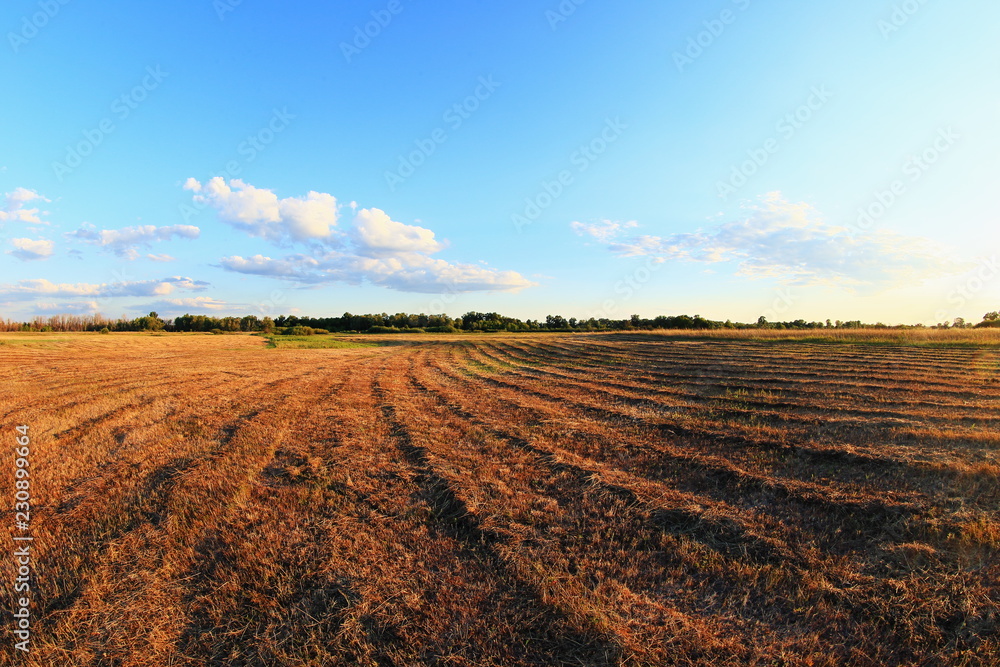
column 506, row 500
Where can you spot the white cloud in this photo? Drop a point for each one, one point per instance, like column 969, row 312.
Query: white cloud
column 434, row 276
column 791, row 242
column 14, row 207
column 375, row 248
column 407, row 273
column 260, row 213
column 161, row 258
column 603, row 231
column 28, row 249
column 377, row 235
column 126, row 241
column 311, row 218
column 71, row 308
column 170, row 306
column 297, row 267
column 41, row 286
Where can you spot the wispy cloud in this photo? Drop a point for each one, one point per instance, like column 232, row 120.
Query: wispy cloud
column 126, row 242
column 604, row 231
column 65, row 308
column 790, row 241
column 410, row 272
column 179, row 306
column 33, row 288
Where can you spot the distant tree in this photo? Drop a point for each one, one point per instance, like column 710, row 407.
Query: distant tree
column 151, row 322
column 700, row 322
column 249, row 323
column 230, row 324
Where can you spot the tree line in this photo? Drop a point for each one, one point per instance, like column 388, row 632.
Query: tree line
column 411, row 323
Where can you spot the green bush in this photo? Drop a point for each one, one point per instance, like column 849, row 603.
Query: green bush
column 217, row 332
column 299, row 331
column 105, row 330
column 444, row 329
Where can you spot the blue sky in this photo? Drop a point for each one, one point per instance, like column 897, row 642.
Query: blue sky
column 578, row 157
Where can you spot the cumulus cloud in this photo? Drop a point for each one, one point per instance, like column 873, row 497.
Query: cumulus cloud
column 377, row 235
column 29, row 249
column 373, row 249
column 125, row 242
column 790, row 241
column 42, row 287
column 15, row 209
column 259, row 212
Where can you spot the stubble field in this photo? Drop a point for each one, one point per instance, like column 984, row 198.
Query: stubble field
column 628, row 499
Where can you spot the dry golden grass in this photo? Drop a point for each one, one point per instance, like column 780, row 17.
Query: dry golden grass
column 606, row 499
column 921, row 336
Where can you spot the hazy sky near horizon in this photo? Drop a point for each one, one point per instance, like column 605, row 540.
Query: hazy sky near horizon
column 730, row 158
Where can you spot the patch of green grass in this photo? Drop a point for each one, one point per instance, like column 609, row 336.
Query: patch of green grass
column 312, row 343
